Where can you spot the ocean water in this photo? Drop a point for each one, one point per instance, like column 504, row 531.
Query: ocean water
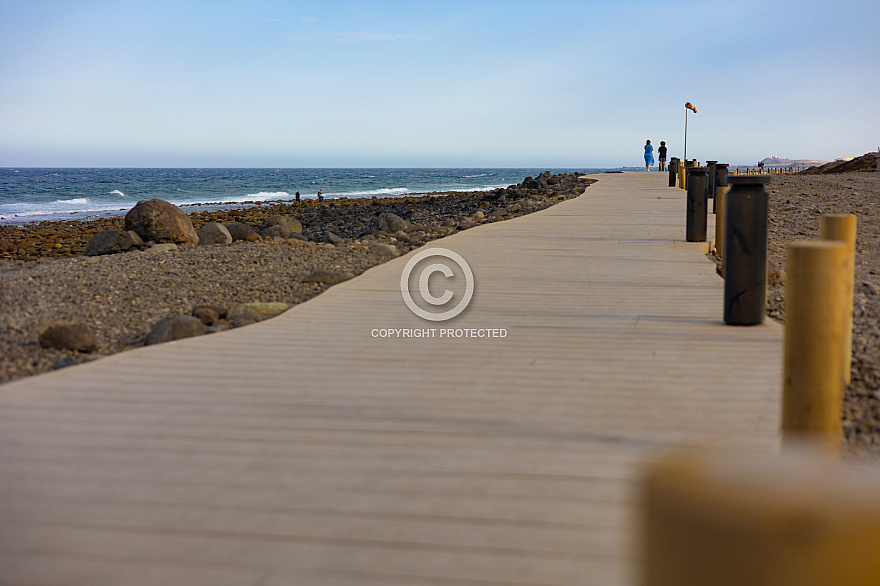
column 29, row 195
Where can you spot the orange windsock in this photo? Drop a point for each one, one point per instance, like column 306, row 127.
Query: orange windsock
column 690, row 106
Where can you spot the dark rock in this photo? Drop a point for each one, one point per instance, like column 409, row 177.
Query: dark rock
column 175, row 328
column 214, row 233
column 333, row 239
column 297, row 236
column 108, row 242
column 218, row 309
column 207, row 315
column 161, row 221
column 75, row 337
column 239, row 231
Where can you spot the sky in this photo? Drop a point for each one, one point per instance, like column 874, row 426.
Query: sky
column 475, row 83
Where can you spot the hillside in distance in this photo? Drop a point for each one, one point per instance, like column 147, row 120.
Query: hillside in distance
column 774, row 161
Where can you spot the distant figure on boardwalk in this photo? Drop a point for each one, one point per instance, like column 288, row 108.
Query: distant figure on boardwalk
column 320, row 195
column 661, row 155
column 761, row 166
column 297, row 197
column 649, row 156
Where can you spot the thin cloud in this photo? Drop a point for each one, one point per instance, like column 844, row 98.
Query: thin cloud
column 308, row 19
column 352, row 37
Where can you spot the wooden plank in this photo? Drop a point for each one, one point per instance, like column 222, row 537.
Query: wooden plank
column 306, row 450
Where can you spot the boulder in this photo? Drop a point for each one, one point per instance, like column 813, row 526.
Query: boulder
column 207, row 315
column 175, row 328
column 160, row 221
column 240, row 232
column 388, row 222
column 287, row 223
column 262, row 309
column 214, row 233
column 327, row 277
column 74, row 337
column 219, row 310
column 276, row 231
column 333, row 238
column 297, row 236
column 108, row 242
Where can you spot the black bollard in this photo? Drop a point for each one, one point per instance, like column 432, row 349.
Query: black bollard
column 720, row 181
column 745, row 250
column 710, row 185
column 673, row 171
column 687, row 167
column 695, row 229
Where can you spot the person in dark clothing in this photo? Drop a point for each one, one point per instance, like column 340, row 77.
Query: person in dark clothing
column 297, row 197
column 661, row 155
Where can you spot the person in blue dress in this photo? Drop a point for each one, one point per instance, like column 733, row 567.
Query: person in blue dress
column 649, row 156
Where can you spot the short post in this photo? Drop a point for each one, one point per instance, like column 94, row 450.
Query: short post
column 799, row 518
column 720, row 198
column 673, row 171
column 720, row 181
column 695, row 228
column 710, row 186
column 812, row 367
column 745, row 250
column 843, row 228
column 688, row 165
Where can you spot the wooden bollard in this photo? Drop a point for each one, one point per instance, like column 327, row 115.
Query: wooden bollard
column 720, row 197
column 843, row 228
column 812, row 367
column 695, row 223
column 710, row 185
column 720, row 181
column 745, row 250
column 793, row 519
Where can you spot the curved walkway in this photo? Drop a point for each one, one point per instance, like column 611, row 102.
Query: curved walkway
column 304, row 450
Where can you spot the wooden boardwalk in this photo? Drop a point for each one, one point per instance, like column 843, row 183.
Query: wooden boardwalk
column 303, row 450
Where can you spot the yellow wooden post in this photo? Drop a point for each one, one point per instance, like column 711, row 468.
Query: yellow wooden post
column 812, row 367
column 843, row 228
column 720, row 215
column 792, row 519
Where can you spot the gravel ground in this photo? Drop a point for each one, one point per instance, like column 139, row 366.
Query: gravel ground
column 797, row 202
column 45, row 280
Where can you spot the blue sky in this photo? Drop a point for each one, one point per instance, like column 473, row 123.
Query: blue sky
column 432, row 84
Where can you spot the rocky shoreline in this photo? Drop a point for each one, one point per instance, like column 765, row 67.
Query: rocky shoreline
column 158, row 290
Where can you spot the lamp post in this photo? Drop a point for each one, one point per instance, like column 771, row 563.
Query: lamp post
column 687, row 106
